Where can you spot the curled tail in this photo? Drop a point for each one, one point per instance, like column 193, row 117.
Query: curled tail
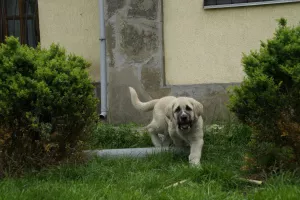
column 141, row 106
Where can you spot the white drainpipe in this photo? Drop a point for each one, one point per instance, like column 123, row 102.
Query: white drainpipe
column 103, row 69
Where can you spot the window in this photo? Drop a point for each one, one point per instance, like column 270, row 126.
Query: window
column 20, row 19
column 237, row 3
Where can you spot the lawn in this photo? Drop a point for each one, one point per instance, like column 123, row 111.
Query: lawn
column 148, row 178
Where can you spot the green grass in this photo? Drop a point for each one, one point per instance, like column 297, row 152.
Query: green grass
column 147, row 178
column 107, row 136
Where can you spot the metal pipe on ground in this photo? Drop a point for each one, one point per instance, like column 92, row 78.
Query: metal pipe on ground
column 131, row 152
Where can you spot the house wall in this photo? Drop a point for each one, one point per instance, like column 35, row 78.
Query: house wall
column 184, row 51
column 75, row 25
column 135, row 58
column 206, row 46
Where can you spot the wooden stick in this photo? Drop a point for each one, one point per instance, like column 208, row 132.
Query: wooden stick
column 176, row 184
column 251, row 181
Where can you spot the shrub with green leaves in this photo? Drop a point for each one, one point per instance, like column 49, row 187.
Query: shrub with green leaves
column 47, row 105
column 268, row 99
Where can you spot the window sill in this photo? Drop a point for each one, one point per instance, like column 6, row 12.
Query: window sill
column 259, row 3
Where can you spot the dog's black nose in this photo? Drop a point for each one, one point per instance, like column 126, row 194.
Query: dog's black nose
column 183, row 117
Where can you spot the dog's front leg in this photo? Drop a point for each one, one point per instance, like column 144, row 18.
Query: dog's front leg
column 155, row 140
column 196, row 152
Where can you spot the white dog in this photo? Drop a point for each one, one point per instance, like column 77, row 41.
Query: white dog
column 179, row 119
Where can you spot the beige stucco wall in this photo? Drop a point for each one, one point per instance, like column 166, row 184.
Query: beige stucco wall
column 205, row 46
column 75, row 25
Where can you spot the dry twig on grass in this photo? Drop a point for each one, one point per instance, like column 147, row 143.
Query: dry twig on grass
column 176, row 184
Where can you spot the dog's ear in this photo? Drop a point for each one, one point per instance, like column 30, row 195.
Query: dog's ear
column 198, row 107
column 169, row 110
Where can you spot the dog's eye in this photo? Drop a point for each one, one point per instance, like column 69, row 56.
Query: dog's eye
column 188, row 108
column 177, row 109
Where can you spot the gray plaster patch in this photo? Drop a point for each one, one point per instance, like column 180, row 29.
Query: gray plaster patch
column 151, row 80
column 113, row 6
column 138, row 44
column 120, row 107
column 143, row 8
column 111, row 44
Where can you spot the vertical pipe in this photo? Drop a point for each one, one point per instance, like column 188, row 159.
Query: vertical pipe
column 103, row 69
column 162, row 49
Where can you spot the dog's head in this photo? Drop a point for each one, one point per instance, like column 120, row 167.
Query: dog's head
column 184, row 111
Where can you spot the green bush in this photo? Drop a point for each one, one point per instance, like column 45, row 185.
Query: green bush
column 47, row 105
column 107, row 136
column 268, row 100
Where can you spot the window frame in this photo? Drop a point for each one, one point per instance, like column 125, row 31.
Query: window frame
column 23, row 18
column 246, row 4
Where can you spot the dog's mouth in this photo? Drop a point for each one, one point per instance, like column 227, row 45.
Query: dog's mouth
column 184, row 126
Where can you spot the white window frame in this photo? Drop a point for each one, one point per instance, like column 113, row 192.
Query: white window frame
column 259, row 3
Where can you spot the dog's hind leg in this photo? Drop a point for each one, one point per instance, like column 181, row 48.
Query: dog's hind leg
column 155, row 139
column 152, row 130
column 167, row 141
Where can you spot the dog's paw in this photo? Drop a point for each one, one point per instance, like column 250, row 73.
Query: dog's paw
column 196, row 165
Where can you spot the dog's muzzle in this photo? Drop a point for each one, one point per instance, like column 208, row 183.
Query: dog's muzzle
column 184, row 121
